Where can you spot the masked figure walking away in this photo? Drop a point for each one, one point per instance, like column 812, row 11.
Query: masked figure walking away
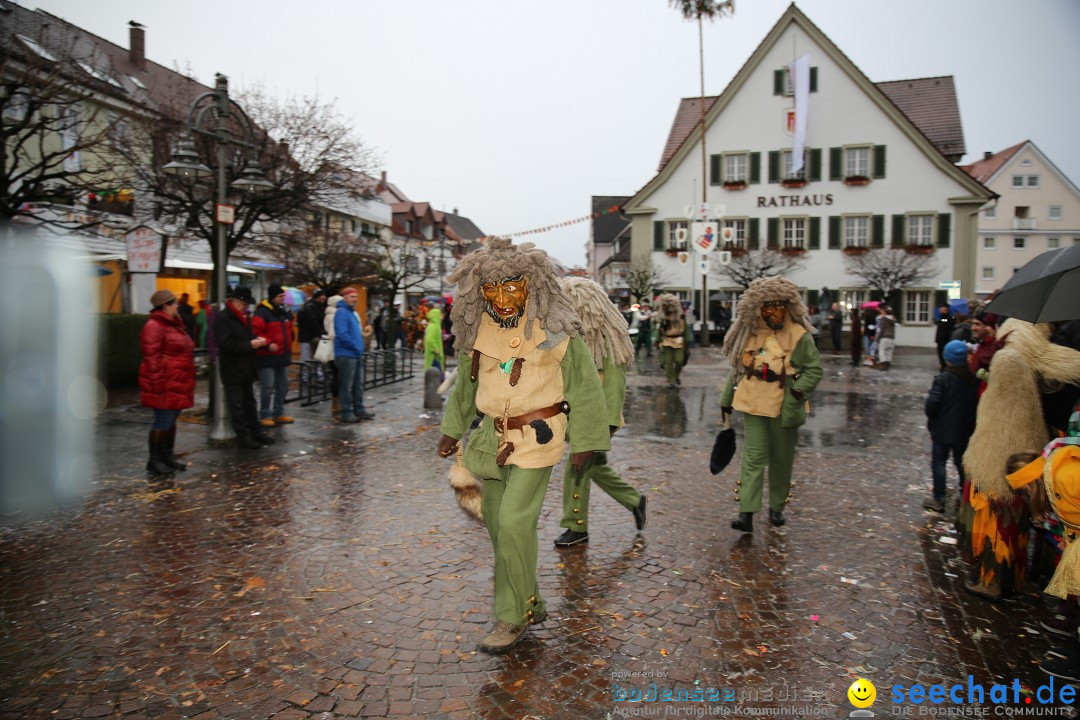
column 523, row 365
column 673, row 337
column 607, row 337
column 166, row 378
column 236, row 346
column 775, row 366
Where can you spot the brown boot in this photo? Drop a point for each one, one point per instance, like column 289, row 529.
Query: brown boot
column 335, row 407
column 502, row 638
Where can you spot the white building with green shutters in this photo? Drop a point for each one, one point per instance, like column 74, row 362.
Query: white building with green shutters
column 879, row 173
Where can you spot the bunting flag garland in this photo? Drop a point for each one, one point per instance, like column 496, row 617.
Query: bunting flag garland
column 567, row 223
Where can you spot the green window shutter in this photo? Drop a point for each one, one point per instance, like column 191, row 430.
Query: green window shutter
column 812, row 297
column 814, row 236
column 774, row 166
column 714, row 169
column 813, row 79
column 778, row 82
column 896, row 302
column 755, row 168
column 815, row 164
column 753, row 233
column 877, row 231
column 836, row 240
column 941, row 297
column 773, row 233
column 876, row 295
column 658, row 235
column 944, row 222
column 879, row 161
column 836, row 162
column 898, row 225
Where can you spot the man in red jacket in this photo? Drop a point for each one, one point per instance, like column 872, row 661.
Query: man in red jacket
column 273, row 321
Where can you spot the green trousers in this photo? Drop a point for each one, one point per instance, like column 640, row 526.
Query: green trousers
column 576, row 491
column 511, row 503
column 672, row 360
column 765, row 444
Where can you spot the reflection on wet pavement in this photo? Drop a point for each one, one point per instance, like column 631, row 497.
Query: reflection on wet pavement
column 344, row 582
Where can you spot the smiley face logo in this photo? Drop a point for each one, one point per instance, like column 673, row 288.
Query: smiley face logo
column 862, row 693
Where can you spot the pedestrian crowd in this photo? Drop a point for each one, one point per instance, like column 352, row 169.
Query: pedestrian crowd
column 1005, row 410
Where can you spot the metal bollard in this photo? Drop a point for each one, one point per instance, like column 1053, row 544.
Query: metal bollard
column 432, row 380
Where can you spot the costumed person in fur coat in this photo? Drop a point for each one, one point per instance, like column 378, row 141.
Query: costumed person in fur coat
column 433, row 342
column 607, row 336
column 1009, row 419
column 672, row 337
column 523, row 365
column 775, row 366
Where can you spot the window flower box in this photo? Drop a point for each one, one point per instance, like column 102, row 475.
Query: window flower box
column 920, row 249
column 734, row 185
column 793, row 251
column 673, row 252
column 856, row 180
column 793, row 183
column 735, row 250
column 856, row 250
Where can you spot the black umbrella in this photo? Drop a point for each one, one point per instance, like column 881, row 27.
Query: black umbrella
column 723, row 448
column 1046, row 289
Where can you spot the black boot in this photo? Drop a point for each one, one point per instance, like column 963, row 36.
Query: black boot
column 167, row 451
column 776, row 518
column 246, row 441
column 157, row 464
column 262, row 438
column 744, row 522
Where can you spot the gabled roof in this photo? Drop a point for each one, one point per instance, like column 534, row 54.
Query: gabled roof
column 983, row 170
column 606, row 226
column 687, row 117
column 463, row 227
column 686, row 122
column 931, row 104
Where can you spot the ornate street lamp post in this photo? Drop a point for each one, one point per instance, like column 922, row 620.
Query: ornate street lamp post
column 215, row 116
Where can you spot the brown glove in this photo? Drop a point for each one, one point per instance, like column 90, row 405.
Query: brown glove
column 579, row 459
column 447, row 446
column 797, row 395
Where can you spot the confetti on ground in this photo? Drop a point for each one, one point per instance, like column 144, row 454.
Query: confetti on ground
column 947, row 540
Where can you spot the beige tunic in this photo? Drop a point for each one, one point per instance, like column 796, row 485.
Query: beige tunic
column 540, row 386
column 773, row 347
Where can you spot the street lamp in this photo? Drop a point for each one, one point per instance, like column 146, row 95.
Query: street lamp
column 214, row 115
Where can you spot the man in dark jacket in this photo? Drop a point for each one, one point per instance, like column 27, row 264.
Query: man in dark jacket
column 236, row 346
column 273, row 321
column 946, row 323
column 310, row 324
column 950, row 409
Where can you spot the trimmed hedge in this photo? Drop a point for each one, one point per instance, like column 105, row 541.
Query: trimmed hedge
column 118, row 348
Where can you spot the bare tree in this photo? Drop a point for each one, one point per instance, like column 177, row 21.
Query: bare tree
column 755, row 264
column 643, row 281
column 329, row 259
column 399, row 265
column 58, row 108
column 301, row 144
column 890, row 269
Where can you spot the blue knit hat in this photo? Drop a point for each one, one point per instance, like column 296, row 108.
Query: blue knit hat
column 955, row 352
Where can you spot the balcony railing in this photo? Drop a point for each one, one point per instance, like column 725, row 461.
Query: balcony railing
column 1023, row 223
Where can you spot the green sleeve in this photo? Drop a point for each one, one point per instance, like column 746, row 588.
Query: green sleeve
column 727, row 396
column 614, row 391
column 806, row 358
column 461, row 405
column 587, row 427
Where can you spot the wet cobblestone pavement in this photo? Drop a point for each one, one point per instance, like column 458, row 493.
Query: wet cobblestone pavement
column 332, row 575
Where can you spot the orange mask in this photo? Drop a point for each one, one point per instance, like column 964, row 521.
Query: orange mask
column 505, row 299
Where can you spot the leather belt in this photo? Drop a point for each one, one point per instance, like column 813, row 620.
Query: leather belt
column 519, row 421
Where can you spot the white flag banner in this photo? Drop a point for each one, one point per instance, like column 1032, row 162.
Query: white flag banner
column 800, row 77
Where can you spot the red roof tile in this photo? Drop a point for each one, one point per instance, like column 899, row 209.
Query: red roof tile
column 982, row 170
column 686, row 119
column 930, row 103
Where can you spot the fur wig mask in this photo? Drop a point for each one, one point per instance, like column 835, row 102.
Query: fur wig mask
column 748, row 318
column 602, row 325
column 496, row 263
column 668, row 307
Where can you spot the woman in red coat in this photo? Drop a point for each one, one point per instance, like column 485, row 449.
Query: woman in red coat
column 166, row 378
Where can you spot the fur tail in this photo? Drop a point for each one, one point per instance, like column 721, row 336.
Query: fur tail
column 467, row 489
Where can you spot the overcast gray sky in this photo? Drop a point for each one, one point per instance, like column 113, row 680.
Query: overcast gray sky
column 517, row 112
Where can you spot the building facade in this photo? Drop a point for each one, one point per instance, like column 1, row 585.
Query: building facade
column 878, row 175
column 1038, row 209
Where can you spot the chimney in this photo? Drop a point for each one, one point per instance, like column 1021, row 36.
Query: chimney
column 455, row 212
column 137, row 46
column 987, row 154
column 382, row 180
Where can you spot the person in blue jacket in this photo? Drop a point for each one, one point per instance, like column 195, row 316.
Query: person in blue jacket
column 349, row 358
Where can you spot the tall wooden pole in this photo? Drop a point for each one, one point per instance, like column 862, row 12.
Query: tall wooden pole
column 704, row 185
